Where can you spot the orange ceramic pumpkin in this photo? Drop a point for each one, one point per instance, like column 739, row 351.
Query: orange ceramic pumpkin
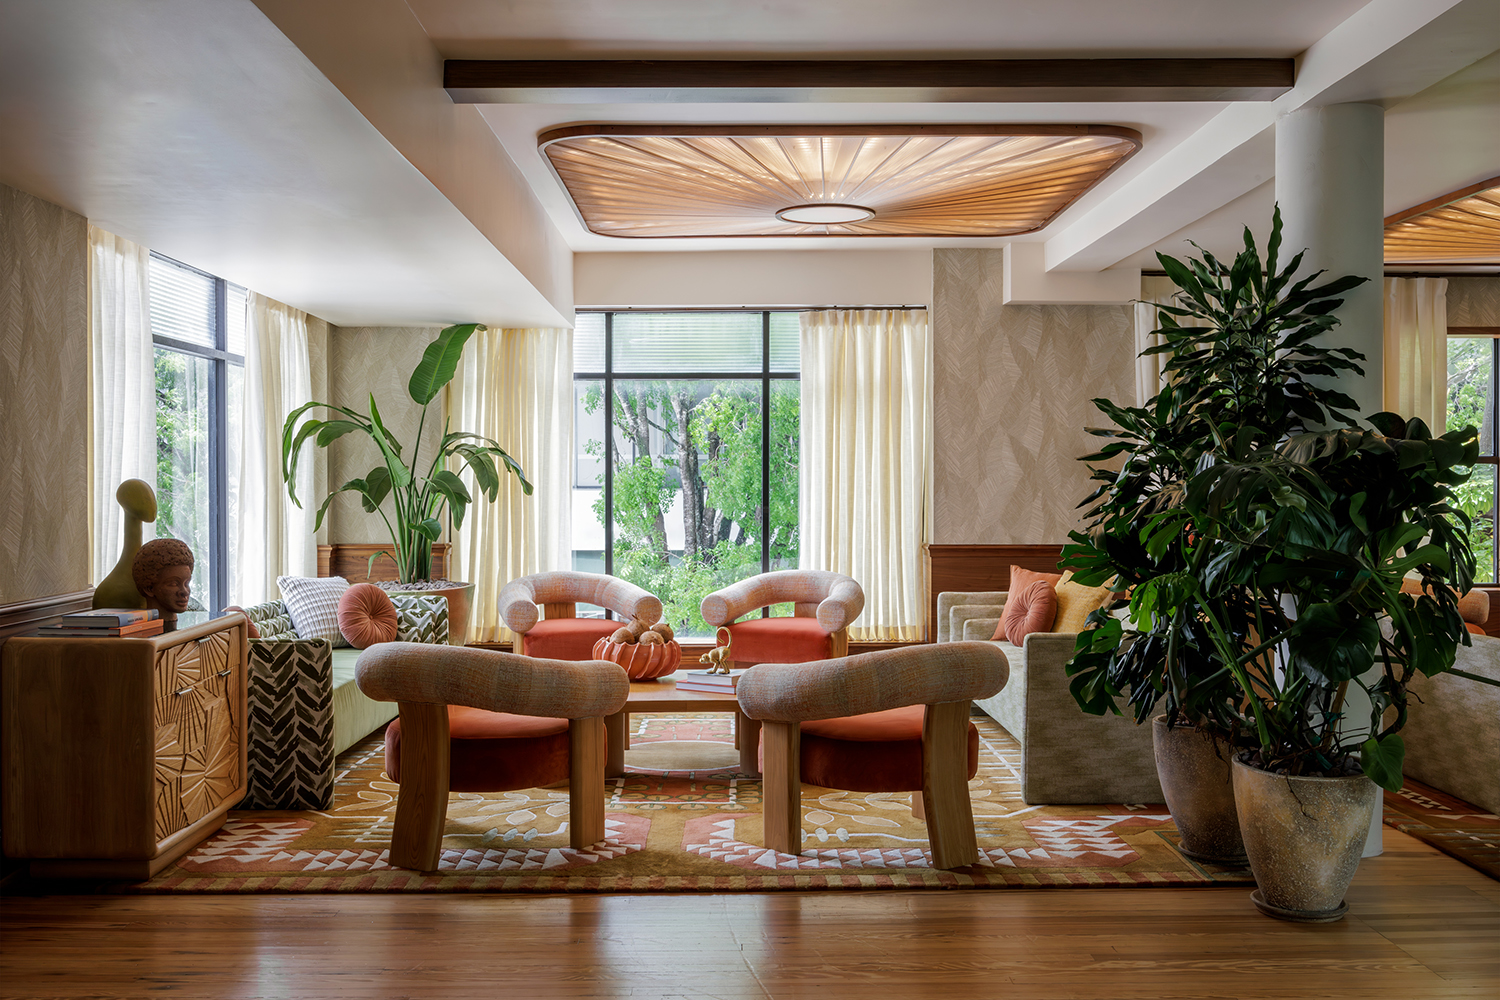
column 642, row 662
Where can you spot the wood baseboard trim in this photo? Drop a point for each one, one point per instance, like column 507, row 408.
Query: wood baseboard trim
column 23, row 616
column 352, row 561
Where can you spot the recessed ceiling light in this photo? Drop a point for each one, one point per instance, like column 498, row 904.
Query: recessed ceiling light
column 662, row 181
column 825, row 214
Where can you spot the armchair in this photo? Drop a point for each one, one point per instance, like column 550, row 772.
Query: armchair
column 561, row 634
column 825, row 604
column 890, row 721
column 475, row 720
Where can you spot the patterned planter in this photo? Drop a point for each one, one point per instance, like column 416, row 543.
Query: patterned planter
column 641, row 661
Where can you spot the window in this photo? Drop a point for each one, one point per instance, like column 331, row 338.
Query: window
column 1472, row 364
column 198, row 328
column 681, row 483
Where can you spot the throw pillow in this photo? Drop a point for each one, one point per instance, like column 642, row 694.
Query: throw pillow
column 367, row 616
column 1032, row 610
column 312, row 602
column 1075, row 603
column 1021, row 578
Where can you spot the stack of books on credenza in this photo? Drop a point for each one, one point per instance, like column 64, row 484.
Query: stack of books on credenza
column 101, row 622
column 702, row 680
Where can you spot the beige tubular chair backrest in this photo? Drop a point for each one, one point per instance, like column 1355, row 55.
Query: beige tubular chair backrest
column 833, row 599
column 425, row 679
column 561, row 590
column 943, row 678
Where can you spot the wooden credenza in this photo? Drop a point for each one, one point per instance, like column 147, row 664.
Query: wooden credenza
column 121, row 755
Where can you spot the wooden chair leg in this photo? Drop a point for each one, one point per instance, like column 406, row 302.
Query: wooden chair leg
column 781, row 786
column 585, row 782
column 617, row 741
column 945, row 785
column 747, row 739
column 422, row 803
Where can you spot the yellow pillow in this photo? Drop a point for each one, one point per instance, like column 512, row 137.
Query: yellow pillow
column 1075, row 603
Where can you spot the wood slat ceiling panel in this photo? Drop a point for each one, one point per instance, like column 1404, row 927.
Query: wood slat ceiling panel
column 961, row 181
column 1466, row 230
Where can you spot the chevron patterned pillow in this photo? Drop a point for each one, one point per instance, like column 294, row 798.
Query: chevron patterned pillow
column 313, row 603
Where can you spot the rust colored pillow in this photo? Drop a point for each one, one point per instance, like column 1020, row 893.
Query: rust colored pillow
column 367, row 616
column 1032, row 610
column 1021, row 578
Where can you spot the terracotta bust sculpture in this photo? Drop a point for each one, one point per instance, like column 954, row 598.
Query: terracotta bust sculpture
column 163, row 572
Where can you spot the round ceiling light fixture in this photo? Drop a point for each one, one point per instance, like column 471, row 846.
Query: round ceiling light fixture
column 825, row 214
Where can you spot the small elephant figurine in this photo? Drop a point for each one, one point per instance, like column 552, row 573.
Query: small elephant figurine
column 718, row 658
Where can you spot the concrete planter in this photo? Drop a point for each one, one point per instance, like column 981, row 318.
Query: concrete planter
column 1193, row 766
column 1303, row 837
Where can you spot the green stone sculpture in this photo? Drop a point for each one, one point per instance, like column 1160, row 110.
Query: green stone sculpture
column 118, row 590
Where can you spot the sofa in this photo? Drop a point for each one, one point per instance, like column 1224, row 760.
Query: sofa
column 305, row 707
column 1452, row 733
column 1067, row 755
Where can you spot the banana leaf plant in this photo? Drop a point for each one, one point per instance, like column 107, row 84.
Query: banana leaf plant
column 1243, row 372
column 417, row 496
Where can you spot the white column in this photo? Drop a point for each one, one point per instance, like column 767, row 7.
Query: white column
column 1330, row 184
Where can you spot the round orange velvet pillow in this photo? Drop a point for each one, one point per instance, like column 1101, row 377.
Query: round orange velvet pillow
column 367, row 616
column 1032, row 610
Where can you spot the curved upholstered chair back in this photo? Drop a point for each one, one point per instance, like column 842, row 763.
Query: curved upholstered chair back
column 520, row 597
column 834, row 599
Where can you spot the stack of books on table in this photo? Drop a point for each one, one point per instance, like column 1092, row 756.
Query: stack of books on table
column 137, row 624
column 702, row 680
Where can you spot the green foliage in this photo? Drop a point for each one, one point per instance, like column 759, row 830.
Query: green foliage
column 695, row 448
column 417, row 500
column 1263, row 553
column 1470, row 371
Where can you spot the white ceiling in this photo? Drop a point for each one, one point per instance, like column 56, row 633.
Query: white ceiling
column 266, row 141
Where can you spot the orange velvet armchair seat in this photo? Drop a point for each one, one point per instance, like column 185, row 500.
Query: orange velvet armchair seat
column 825, row 603
column 891, row 721
column 561, row 635
column 475, row 720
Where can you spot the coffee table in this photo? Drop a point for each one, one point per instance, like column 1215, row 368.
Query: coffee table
column 661, row 695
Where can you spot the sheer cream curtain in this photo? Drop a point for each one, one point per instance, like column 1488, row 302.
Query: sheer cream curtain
column 274, row 536
column 1416, row 349
column 1156, row 290
column 123, row 386
column 516, row 387
column 866, row 459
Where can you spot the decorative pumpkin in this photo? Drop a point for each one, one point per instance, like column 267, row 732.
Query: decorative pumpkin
column 643, row 661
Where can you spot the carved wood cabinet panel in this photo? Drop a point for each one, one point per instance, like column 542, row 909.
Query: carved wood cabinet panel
column 120, row 755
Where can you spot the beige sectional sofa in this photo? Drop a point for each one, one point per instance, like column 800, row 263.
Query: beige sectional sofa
column 1067, row 755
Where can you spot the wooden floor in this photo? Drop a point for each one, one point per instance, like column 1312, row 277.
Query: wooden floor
column 1421, row 927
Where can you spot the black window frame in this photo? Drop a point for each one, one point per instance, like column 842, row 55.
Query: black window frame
column 219, row 358
column 608, row 376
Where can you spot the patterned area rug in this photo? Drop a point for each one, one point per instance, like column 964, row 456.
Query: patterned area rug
column 684, row 819
column 1453, row 826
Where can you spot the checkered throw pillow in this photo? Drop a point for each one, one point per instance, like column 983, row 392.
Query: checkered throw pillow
column 313, row 604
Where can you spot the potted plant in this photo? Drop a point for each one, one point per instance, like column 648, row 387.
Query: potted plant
column 417, row 498
column 1242, row 371
column 1314, row 539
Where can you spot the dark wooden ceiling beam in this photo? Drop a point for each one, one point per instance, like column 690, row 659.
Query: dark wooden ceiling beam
column 586, row 81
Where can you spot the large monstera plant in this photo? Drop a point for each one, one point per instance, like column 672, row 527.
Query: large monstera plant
column 417, row 496
column 1263, row 554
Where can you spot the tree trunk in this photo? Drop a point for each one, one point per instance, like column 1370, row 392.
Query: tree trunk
column 692, row 482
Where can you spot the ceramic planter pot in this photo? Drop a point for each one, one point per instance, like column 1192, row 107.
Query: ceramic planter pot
column 460, row 598
column 1193, row 766
column 641, row 661
column 1303, row 837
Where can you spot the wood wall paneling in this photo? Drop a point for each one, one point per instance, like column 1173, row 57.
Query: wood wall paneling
column 351, row 562
column 980, row 567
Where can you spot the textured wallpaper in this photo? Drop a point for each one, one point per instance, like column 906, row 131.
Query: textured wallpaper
column 1474, row 301
column 44, row 399
column 1011, row 395
column 379, row 360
